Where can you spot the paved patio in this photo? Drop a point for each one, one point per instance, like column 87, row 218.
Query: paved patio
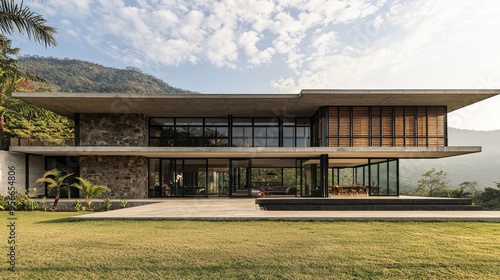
column 224, row 209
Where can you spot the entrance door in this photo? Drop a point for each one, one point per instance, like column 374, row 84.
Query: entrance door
column 218, row 177
column 240, row 178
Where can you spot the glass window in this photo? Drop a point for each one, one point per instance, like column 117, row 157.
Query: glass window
column 216, row 121
column 288, row 131
column 237, row 131
column 260, row 132
column 288, row 142
column 272, row 142
column 161, row 121
column 222, row 132
column 242, row 121
column 189, row 121
column 266, row 121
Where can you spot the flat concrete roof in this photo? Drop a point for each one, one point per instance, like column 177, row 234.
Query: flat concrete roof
column 247, row 105
column 250, row 152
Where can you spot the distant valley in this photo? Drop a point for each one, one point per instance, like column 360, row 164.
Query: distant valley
column 482, row 167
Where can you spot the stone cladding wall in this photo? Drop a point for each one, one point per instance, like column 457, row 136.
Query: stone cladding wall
column 104, row 129
column 126, row 176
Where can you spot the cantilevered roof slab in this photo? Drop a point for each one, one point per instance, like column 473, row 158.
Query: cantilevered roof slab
column 251, row 152
column 303, row 104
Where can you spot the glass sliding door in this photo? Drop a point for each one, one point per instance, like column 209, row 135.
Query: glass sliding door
column 195, row 177
column 240, row 178
column 218, row 177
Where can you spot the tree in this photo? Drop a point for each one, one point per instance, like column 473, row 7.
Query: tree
column 56, row 179
column 471, row 186
column 433, row 183
column 490, row 198
column 18, row 17
column 90, row 190
column 14, row 16
column 459, row 193
column 11, row 78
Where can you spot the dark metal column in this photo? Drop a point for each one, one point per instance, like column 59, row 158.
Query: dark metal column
column 323, row 159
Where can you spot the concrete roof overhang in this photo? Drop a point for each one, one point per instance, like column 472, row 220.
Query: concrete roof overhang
column 244, row 152
column 247, row 105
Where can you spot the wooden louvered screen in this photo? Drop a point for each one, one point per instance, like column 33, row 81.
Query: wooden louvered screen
column 376, row 122
column 360, row 121
column 386, row 126
column 399, row 118
column 333, row 121
column 436, row 126
column 345, row 121
column 387, row 122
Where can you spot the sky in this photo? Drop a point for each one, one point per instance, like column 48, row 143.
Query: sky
column 284, row 46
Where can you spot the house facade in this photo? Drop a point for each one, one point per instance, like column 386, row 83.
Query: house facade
column 316, row 143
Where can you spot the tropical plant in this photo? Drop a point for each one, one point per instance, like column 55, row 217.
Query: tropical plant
column 18, row 17
column 15, row 16
column 11, row 77
column 459, row 193
column 44, row 203
column 56, row 179
column 123, row 203
column 78, row 205
column 90, row 190
column 106, row 204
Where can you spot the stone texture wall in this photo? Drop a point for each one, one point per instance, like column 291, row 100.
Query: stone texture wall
column 126, row 176
column 18, row 162
column 113, row 130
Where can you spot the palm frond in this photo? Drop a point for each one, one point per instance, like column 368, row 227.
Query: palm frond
column 17, row 16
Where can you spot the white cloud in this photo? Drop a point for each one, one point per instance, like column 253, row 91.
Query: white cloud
column 320, row 43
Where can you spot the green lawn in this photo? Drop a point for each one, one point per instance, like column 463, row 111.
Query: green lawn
column 50, row 247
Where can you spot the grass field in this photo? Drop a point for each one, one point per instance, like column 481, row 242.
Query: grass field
column 50, row 247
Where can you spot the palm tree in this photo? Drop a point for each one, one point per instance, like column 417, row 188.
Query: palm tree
column 55, row 178
column 18, row 17
column 90, row 190
column 10, row 78
column 14, row 16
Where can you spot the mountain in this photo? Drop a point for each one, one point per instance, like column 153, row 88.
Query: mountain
column 482, row 167
column 71, row 75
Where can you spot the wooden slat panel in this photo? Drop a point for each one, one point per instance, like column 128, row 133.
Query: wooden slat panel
column 410, row 142
column 387, row 121
column 345, row 142
column 422, row 142
column 333, row 125
column 375, row 142
column 422, row 124
column 400, row 142
column 399, row 121
column 361, row 121
column 376, row 121
column 436, row 121
column 386, row 142
column 345, row 121
column 360, row 142
column 333, row 142
column 410, row 122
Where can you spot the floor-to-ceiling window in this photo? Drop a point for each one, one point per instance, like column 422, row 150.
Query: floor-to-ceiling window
column 375, row 177
column 230, row 131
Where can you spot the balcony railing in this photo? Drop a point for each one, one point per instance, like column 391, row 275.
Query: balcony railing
column 42, row 142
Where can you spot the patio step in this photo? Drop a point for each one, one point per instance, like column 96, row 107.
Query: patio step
column 367, row 204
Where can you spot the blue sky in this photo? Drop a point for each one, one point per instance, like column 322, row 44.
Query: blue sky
column 284, row 46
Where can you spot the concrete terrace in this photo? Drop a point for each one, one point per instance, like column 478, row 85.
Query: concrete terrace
column 241, row 209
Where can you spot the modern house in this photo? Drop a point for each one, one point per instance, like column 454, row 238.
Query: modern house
column 315, row 143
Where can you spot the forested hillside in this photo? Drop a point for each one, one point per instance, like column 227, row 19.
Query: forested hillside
column 71, row 75
column 482, row 167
